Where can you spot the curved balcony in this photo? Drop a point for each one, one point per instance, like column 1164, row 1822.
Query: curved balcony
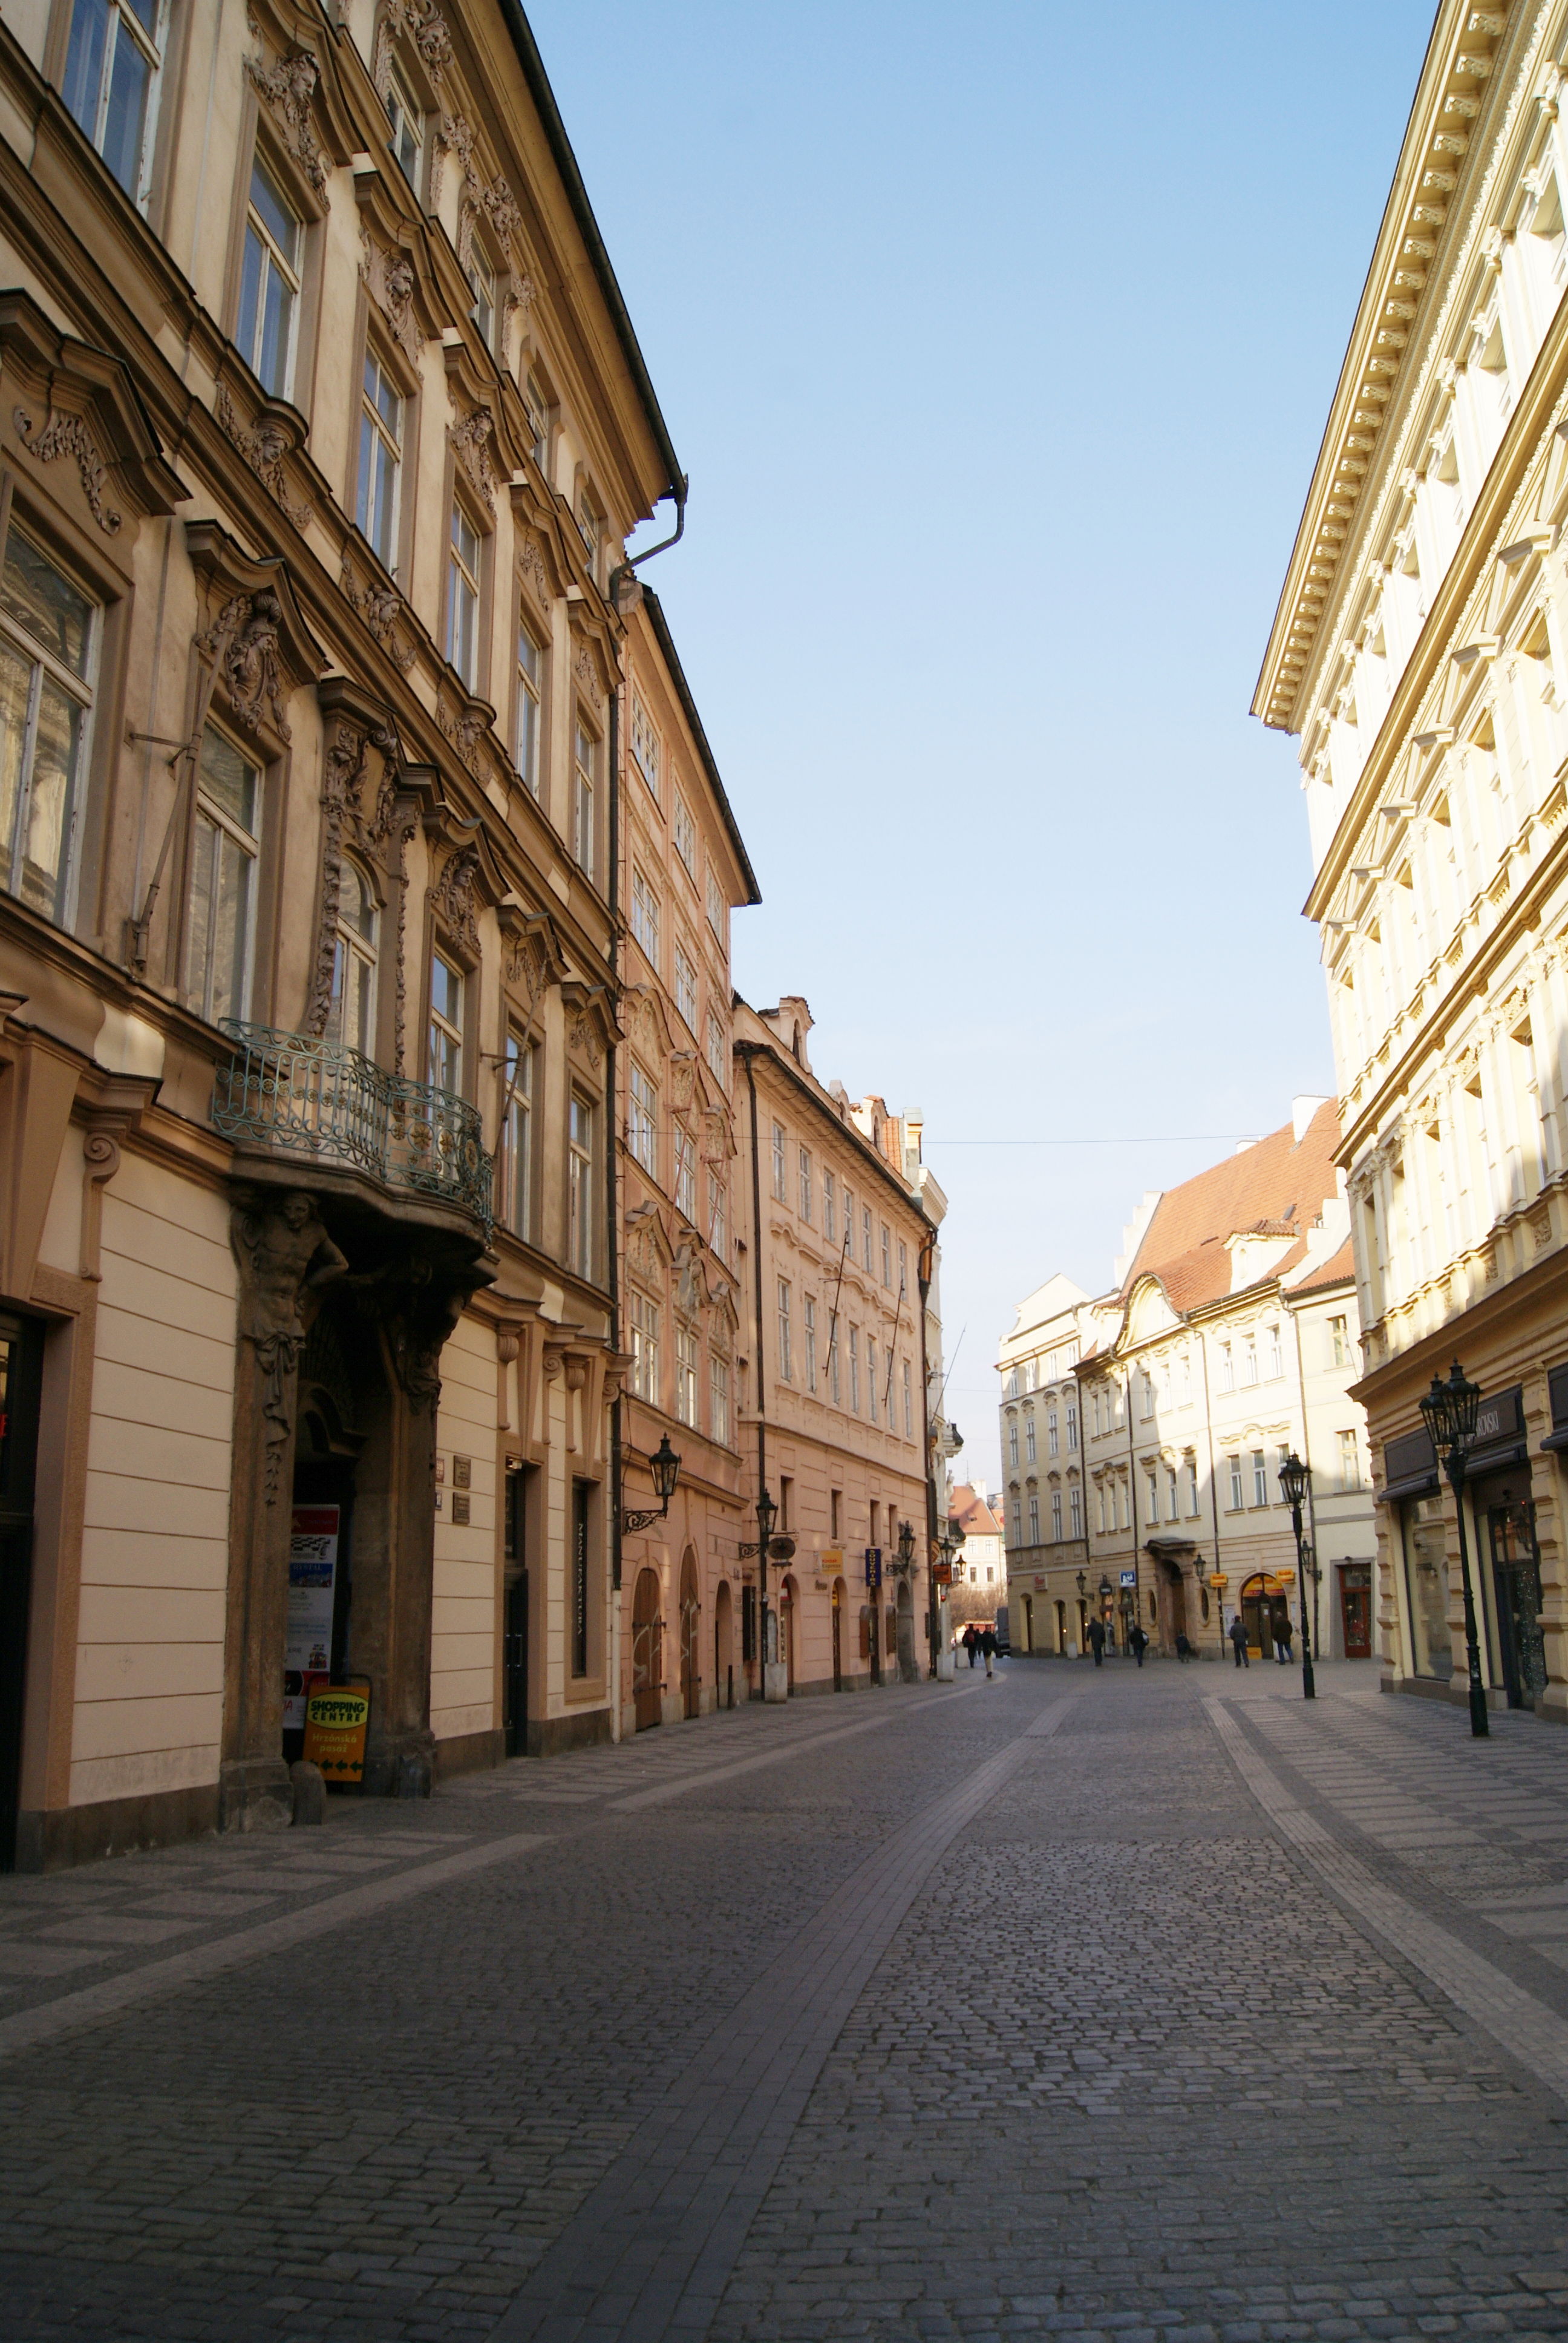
column 329, row 1107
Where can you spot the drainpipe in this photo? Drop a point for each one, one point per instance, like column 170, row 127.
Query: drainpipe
column 612, row 1206
column 630, row 568
column 1307, row 1461
column 1213, row 1489
column 748, row 1051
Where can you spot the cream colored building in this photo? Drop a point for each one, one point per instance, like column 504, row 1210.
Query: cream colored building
column 838, row 1222
column 1228, row 1341
column 322, row 426
column 682, row 866
column 1421, row 653
column 1041, row 1501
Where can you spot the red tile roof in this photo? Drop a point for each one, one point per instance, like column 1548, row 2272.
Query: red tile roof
column 1340, row 1269
column 973, row 1515
column 1274, row 1188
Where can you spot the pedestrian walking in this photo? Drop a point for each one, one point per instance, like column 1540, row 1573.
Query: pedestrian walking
column 1238, row 1632
column 1097, row 1641
column 1283, row 1642
column 988, row 1645
column 971, row 1641
column 1138, row 1644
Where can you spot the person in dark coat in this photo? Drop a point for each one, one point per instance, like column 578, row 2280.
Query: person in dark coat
column 988, row 1645
column 1138, row 1644
column 1282, row 1641
column 1238, row 1632
column 970, row 1640
column 1097, row 1641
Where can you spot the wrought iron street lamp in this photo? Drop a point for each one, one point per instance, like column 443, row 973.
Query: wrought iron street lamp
column 766, row 1521
column 1449, row 1411
column 942, row 1576
column 1293, row 1479
column 664, row 1465
column 906, row 1544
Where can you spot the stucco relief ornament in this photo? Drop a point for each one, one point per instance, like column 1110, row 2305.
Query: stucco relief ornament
column 421, row 22
column 454, row 895
column 243, row 646
column 470, row 443
column 343, row 776
column 390, row 280
column 380, row 607
column 264, row 450
column 284, row 1255
column 466, row 729
column 454, row 135
column 531, row 562
column 287, row 89
column 67, row 435
column 587, row 674
column 585, row 1037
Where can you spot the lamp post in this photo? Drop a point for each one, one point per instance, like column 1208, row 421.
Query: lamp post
column 664, row 1465
column 767, row 1514
column 1106, row 1591
column 1449, row 1411
column 1293, row 1489
column 941, row 1658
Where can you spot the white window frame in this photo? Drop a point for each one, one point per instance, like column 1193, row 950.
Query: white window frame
column 686, row 1172
column 528, row 724
column 45, row 666
column 124, row 24
column 517, row 1071
column 686, row 1373
column 645, row 747
column 642, row 1118
column 221, row 824
column 272, row 261
column 585, row 786
column 683, row 830
column 581, row 1215
column 465, row 595
column 442, row 1026
column 645, row 914
column 786, row 1334
column 379, row 459
column 686, row 986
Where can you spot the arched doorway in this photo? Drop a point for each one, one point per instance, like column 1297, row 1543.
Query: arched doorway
column 1061, row 1629
column 1264, row 1605
column 646, row 1652
column 837, row 1635
column 788, row 1594
column 908, row 1670
column 723, row 1646
column 690, row 1625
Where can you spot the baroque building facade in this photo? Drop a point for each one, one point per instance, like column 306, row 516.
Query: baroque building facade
column 1229, row 1340
column 322, row 426
column 1042, row 1499
column 682, row 866
column 838, row 1220
column 1420, row 652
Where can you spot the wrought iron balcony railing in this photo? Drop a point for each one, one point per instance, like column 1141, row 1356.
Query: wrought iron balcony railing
column 326, row 1105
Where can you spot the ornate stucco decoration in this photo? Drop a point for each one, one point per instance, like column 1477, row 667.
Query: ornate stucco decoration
column 469, row 440
column 465, row 728
column 242, row 644
column 255, row 645
column 264, row 445
column 391, row 279
column 380, row 607
column 585, row 672
column 455, row 896
column 67, row 435
column 285, row 1256
column 345, row 772
column 455, row 135
column 534, row 576
column 288, row 90
column 420, row 22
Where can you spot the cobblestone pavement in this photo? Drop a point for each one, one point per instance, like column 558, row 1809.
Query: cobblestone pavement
column 1106, row 2004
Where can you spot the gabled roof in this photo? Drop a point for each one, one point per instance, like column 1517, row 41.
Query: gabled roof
column 972, row 1514
column 1277, row 1187
column 1340, row 1269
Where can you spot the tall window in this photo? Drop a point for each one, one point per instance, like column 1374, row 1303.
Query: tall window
column 526, row 753
column 808, row 1316
column 644, row 915
column 870, row 1379
column 719, row 1402
column 222, row 880
column 833, row 1347
column 446, row 1054
column 684, row 829
column 850, row 1222
column 645, row 746
column 1072, row 1429
column 805, row 1172
column 584, row 772
column 1031, row 1442
column 715, row 904
column 1055, row 1517
column 48, row 657
column 1052, row 1433
column 111, row 81
column 537, row 409
column 786, row 1347
column 1227, row 1368
column 686, row 1375
column 1274, row 1357
column 1249, row 1361
column 590, row 528
column 903, row 1267
column 1350, row 1462
column 463, row 598
column 1012, row 1441
column 779, row 1188
column 717, row 1054
column 1171, row 1508
column 380, row 459
column 685, row 990
column 887, row 1255
column 1190, row 1470
column 642, row 1117
column 351, row 1016
column 866, row 1237
column 1260, row 1477
column 269, row 284
column 1075, row 1505
column 1339, row 1342
column 1017, row 1525
column 686, row 1174
column 517, row 1136
column 830, row 1229
column 407, row 139
column 1237, row 1497
column 482, row 286
column 643, row 1316
column 909, row 1405
column 579, row 1186
column 717, row 1214
column 855, row 1369
column 1154, row 1488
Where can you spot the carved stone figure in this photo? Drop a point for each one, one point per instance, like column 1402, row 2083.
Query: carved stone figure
column 264, row 448
column 470, row 443
column 288, row 90
column 67, row 435
column 454, row 895
column 284, row 1254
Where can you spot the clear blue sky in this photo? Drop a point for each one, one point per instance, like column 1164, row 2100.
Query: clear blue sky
column 998, row 342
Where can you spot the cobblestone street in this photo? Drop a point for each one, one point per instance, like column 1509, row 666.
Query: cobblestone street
column 1099, row 2002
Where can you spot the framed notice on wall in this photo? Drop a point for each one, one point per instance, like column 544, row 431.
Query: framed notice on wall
column 312, row 1585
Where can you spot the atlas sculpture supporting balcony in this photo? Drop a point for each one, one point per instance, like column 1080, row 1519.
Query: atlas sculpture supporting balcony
column 328, row 1107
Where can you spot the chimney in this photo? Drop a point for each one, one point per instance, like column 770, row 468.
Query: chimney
column 1303, row 1110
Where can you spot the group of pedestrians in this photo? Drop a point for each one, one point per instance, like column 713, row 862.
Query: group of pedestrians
column 981, row 1642
column 1280, row 1629
column 1100, row 1636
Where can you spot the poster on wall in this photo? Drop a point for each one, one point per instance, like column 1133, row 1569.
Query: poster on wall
column 312, row 1583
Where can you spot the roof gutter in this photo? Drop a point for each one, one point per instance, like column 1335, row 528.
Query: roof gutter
column 566, row 163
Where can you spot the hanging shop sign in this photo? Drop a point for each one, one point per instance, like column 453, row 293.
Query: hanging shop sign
column 1218, row 1578
column 942, row 1574
column 873, row 1566
column 337, row 1717
column 312, row 1585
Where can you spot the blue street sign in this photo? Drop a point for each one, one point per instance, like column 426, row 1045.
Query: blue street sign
column 1130, row 1578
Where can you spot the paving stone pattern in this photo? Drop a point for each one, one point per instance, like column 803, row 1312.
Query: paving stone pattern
column 1069, row 2040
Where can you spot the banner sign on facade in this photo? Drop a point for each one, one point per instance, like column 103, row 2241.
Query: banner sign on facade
column 873, row 1566
column 312, row 1585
